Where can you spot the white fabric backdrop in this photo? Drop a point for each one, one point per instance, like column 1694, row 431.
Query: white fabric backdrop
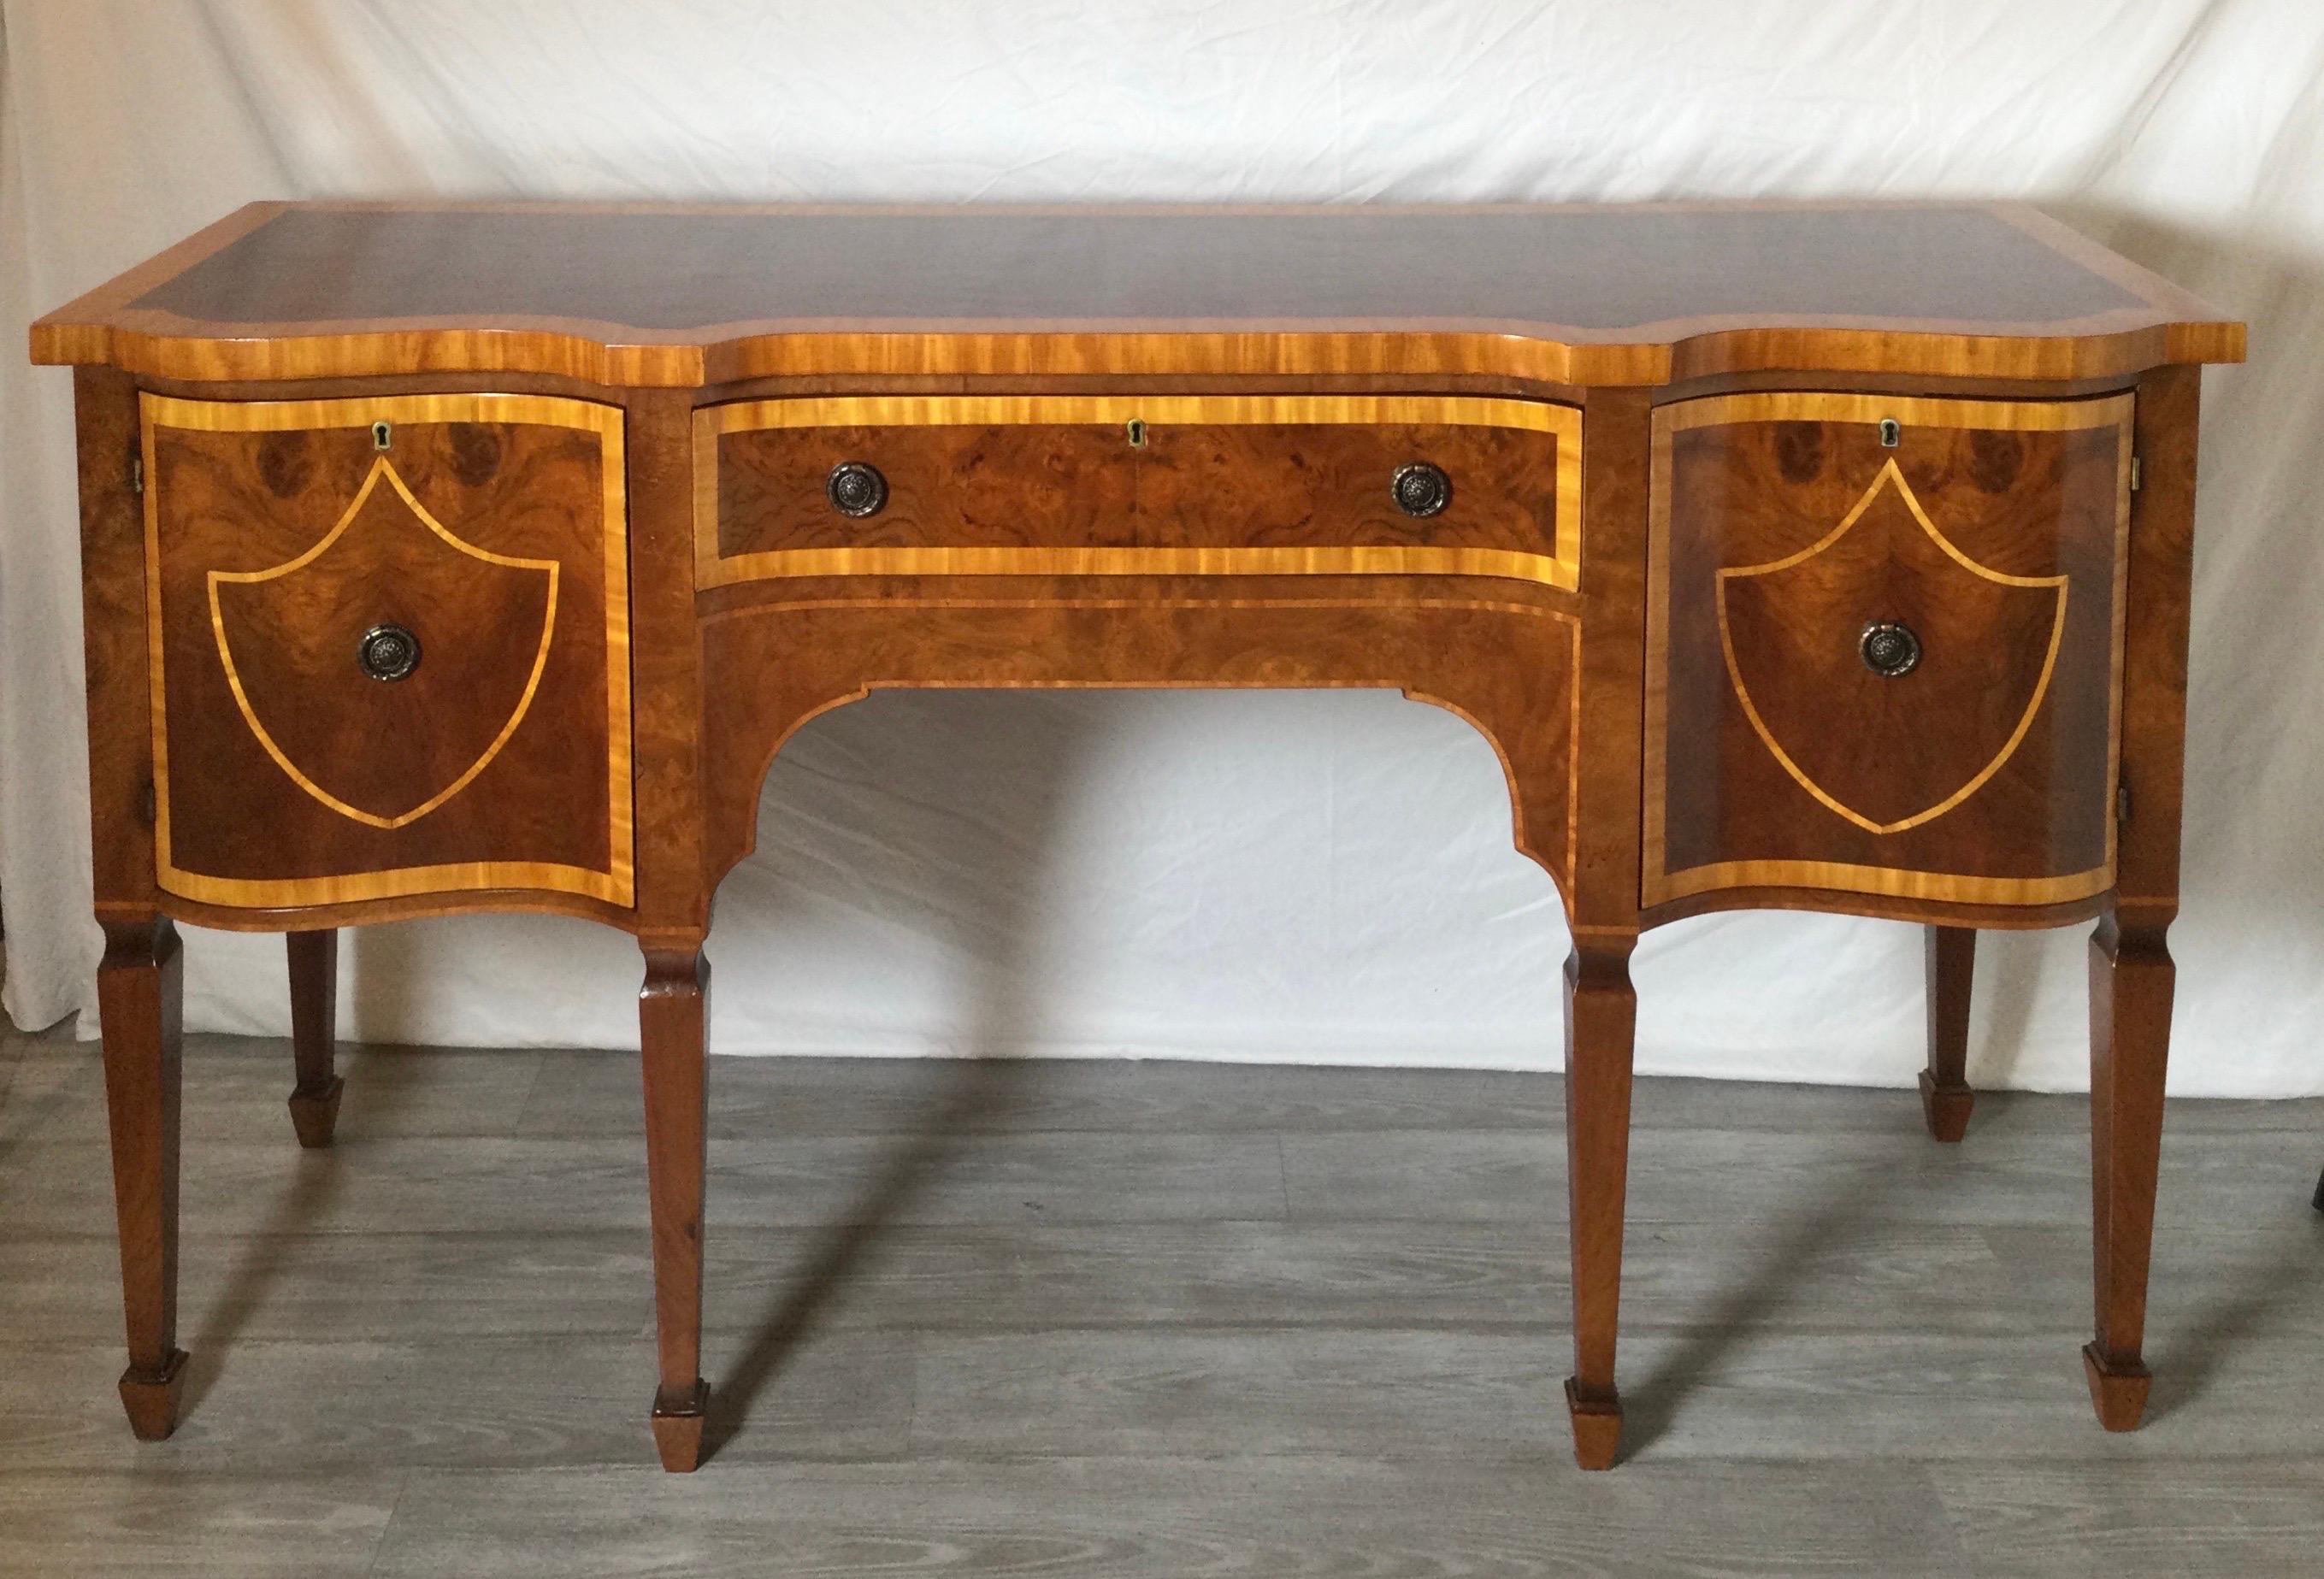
column 1312, row 877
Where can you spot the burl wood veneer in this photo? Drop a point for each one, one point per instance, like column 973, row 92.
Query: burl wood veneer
column 379, row 788
column 1130, row 485
column 482, row 557
column 1989, row 540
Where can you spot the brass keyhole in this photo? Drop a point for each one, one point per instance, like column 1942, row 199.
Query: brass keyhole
column 1137, row 431
column 1892, row 433
column 381, row 435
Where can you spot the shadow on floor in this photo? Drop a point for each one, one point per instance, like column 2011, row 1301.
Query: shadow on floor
column 2197, row 1348
column 1650, row 1404
column 970, row 856
column 307, row 1195
column 981, row 1088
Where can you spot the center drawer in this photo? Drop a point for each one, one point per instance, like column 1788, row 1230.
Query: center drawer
column 1128, row 485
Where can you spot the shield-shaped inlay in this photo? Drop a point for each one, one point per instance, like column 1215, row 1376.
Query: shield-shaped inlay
column 1836, row 711
column 338, row 708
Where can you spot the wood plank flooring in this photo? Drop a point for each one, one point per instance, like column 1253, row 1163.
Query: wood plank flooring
column 1143, row 1319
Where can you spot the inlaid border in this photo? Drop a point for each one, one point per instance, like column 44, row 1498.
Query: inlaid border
column 1562, row 568
column 1658, row 883
column 616, row 884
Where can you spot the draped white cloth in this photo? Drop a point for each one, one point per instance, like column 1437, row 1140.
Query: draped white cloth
column 1302, row 876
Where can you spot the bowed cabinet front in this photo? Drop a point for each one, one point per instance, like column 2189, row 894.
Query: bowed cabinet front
column 389, row 647
column 1883, row 647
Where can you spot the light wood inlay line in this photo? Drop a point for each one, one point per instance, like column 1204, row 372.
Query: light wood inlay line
column 282, row 416
column 776, row 563
column 394, row 883
column 1890, row 477
column 1890, row 882
column 616, row 884
column 1561, row 568
column 1993, row 415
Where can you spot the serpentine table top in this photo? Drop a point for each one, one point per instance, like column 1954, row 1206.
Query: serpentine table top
column 644, row 294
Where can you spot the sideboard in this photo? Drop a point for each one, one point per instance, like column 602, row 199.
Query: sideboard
column 453, row 557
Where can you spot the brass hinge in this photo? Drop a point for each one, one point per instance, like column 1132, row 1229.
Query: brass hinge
column 2133, row 474
column 2122, row 803
column 137, row 474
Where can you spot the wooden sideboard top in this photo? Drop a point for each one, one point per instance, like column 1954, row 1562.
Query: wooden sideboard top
column 675, row 295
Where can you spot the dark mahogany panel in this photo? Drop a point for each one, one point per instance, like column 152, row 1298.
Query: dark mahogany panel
column 283, row 536
column 1965, row 751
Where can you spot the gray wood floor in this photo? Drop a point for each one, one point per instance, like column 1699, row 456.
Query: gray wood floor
column 1009, row 1317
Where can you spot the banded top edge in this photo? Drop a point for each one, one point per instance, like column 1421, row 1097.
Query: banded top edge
column 678, row 295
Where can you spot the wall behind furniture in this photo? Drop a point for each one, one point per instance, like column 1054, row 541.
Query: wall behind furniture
column 1308, row 877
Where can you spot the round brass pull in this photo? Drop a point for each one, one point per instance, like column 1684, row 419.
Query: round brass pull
column 1889, row 650
column 856, row 488
column 388, row 652
column 1421, row 489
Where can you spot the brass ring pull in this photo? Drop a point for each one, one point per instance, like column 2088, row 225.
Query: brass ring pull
column 1889, row 650
column 1421, row 489
column 856, row 488
column 388, row 652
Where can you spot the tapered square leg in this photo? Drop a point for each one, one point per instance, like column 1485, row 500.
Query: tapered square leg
column 1601, row 1020
column 314, row 961
column 2131, row 974
column 139, row 991
column 1946, row 1097
column 672, row 1012
column 2131, row 983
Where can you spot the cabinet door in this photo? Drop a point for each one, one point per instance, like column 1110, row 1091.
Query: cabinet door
column 390, row 649
column 1884, row 646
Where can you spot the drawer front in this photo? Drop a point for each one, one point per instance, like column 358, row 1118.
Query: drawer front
column 389, row 647
column 1884, row 646
column 1108, row 485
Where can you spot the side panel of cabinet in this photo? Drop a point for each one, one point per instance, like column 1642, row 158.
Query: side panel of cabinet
column 1883, row 647
column 389, row 653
